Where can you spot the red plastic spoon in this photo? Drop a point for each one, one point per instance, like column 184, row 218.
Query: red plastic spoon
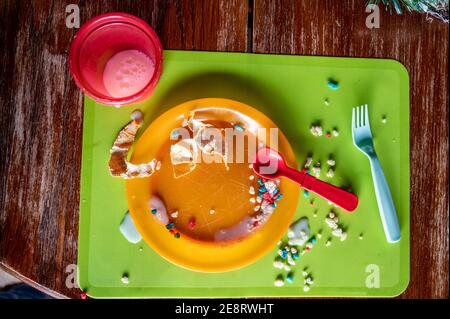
column 270, row 164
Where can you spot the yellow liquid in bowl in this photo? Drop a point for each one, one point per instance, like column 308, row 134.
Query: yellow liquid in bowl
column 215, row 197
column 208, row 186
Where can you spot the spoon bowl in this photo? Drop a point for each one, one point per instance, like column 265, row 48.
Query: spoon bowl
column 270, row 164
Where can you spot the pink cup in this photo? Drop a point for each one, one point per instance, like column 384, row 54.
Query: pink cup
column 102, row 37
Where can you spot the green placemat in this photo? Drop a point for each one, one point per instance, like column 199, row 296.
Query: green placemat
column 291, row 90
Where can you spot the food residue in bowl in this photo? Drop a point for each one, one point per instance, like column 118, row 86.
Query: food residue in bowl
column 205, row 188
column 216, row 195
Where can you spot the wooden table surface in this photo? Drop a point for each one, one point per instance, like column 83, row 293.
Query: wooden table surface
column 41, row 112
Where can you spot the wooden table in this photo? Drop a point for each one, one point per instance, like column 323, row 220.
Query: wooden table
column 41, row 112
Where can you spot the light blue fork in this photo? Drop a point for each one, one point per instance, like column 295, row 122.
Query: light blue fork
column 362, row 138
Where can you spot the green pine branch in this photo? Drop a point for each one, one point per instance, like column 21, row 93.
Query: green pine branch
column 436, row 8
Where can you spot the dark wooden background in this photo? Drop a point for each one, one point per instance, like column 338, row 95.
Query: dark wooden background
column 41, row 112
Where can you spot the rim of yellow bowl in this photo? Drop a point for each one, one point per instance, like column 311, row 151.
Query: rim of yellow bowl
column 192, row 254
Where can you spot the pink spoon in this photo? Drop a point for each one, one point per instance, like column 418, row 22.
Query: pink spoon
column 270, row 164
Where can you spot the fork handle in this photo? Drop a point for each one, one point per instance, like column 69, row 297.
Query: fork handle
column 385, row 203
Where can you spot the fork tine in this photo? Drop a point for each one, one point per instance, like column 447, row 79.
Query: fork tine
column 353, row 118
column 361, row 114
column 366, row 117
column 358, row 117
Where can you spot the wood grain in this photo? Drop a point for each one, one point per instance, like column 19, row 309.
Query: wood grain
column 327, row 28
column 41, row 112
column 41, row 119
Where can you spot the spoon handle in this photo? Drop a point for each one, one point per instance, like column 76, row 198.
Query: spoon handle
column 336, row 195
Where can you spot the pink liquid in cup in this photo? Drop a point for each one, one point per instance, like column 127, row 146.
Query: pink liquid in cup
column 127, row 72
column 98, row 51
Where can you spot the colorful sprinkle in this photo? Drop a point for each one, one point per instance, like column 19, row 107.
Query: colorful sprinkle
column 266, row 195
column 305, row 194
column 290, row 277
column 154, row 211
column 177, row 235
column 333, row 84
column 283, row 253
column 192, row 223
column 239, row 127
column 83, row 295
column 170, row 226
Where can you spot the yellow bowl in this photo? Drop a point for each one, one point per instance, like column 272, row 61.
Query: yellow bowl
column 194, row 254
